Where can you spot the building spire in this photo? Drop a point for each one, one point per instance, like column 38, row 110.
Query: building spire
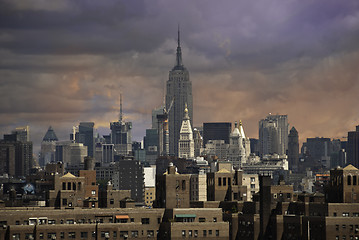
column 121, row 116
column 179, row 52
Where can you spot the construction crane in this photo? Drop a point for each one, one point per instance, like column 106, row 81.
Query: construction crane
column 163, row 132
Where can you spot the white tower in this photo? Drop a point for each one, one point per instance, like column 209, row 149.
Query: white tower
column 186, row 143
column 239, row 146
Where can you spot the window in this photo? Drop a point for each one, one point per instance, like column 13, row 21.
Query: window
column 204, row 233
column 63, row 186
column 334, row 214
column 132, row 220
column 355, row 214
column 253, row 186
column 337, row 227
column 219, row 181
column 183, row 233
column 41, row 235
column 224, row 181
column 183, row 184
column 29, row 236
column 145, row 220
column 253, row 179
column 288, row 195
column 93, row 192
column 114, row 234
column 69, row 186
column 16, row 236
column 150, row 233
column 202, row 219
column 345, row 214
column 349, row 180
column 195, row 233
column 217, row 233
column 72, row 235
column 112, row 201
column 134, row 233
column 70, row 221
column 64, row 202
column 62, row 235
column 354, row 180
column 209, row 232
column 190, row 233
column 123, row 234
column 51, row 236
column 52, row 221
column 158, row 220
column 74, row 186
column 84, row 235
column 214, row 219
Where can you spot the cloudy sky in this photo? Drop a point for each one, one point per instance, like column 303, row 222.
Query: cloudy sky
column 64, row 61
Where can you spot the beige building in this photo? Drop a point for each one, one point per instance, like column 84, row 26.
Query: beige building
column 198, row 187
column 251, row 181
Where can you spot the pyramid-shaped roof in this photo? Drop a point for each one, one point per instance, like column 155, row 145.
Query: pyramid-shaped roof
column 350, row 167
column 68, row 175
column 50, row 136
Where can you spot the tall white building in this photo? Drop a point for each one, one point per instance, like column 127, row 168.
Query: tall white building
column 186, row 143
column 239, row 146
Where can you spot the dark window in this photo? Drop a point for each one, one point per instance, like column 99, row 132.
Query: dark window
column 183, row 184
column 219, row 181
column 224, row 181
column 84, row 235
column 217, row 233
column 204, row 233
column 158, row 220
column 349, row 180
column 74, row 186
column 63, row 186
column 202, row 219
column 132, row 219
column 69, row 186
column 112, row 201
column 145, row 220
column 354, row 180
column 64, row 201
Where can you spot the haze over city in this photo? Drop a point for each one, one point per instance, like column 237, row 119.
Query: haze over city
column 63, row 62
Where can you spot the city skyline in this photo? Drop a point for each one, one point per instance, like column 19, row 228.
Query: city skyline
column 65, row 62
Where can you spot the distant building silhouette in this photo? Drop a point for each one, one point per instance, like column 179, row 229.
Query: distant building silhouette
column 216, row 131
column 353, row 147
column 293, row 149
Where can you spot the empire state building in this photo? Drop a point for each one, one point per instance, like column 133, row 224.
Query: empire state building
column 178, row 94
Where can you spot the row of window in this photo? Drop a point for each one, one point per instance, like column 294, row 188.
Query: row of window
column 345, row 237
column 347, row 214
column 194, row 233
column 350, row 227
column 40, row 221
column 85, row 235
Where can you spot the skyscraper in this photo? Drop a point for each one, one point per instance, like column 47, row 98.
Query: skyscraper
column 273, row 134
column 293, row 149
column 353, row 147
column 216, row 131
column 121, row 135
column 86, row 136
column 179, row 90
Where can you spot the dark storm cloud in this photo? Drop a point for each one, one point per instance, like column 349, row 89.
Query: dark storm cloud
column 62, row 62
